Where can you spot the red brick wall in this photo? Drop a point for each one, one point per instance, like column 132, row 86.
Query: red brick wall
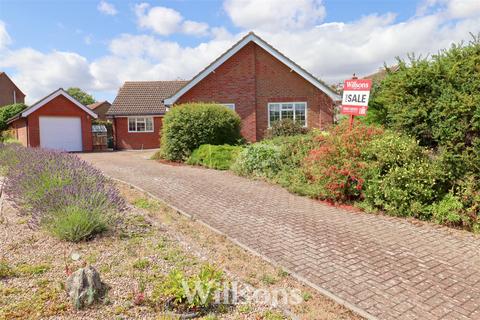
column 6, row 91
column 136, row 140
column 19, row 128
column 251, row 79
column 61, row 107
column 232, row 82
column 275, row 83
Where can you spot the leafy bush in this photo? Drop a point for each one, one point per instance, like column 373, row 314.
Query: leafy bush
column 216, row 157
column 7, row 112
column 285, row 127
column 188, row 126
column 448, row 210
column 407, row 190
column 196, row 291
column 258, row 159
column 81, row 96
column 59, row 190
column 335, row 166
column 434, row 99
column 75, row 224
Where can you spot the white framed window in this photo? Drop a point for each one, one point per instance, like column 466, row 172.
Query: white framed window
column 140, row 124
column 229, row 105
column 297, row 111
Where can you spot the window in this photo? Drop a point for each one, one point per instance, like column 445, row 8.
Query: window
column 297, row 111
column 140, row 124
column 229, row 105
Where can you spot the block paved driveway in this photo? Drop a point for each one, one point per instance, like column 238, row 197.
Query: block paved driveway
column 387, row 267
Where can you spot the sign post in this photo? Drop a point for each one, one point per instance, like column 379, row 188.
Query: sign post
column 356, row 93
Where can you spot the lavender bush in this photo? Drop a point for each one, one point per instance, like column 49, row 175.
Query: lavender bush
column 59, row 191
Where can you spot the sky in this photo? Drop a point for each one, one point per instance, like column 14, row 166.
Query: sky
column 99, row 44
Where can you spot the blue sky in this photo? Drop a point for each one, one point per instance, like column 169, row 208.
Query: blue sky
column 98, row 45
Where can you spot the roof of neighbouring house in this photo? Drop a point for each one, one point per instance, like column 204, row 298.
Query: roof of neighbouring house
column 252, row 37
column 381, row 73
column 144, row 97
column 95, row 105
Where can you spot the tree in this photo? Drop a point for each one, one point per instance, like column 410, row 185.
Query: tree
column 7, row 112
column 81, row 96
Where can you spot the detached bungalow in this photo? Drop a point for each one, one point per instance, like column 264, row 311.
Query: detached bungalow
column 57, row 121
column 252, row 78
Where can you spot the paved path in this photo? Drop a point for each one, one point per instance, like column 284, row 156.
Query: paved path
column 387, row 267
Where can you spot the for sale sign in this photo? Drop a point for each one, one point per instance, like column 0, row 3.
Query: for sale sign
column 355, row 96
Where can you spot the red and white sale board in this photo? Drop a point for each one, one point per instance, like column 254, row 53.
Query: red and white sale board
column 356, row 93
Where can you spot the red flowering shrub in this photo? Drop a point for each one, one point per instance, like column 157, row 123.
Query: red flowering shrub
column 336, row 167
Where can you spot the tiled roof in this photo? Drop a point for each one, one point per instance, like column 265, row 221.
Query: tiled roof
column 95, row 105
column 382, row 73
column 144, row 97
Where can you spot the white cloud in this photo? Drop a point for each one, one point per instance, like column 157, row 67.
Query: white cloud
column 450, row 8
column 274, row 15
column 4, row 36
column 166, row 21
column 463, row 8
column 38, row 74
column 162, row 20
column 194, row 28
column 107, row 8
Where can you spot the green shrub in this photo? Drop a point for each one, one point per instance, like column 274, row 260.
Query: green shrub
column 434, row 98
column 408, row 190
column 293, row 150
column 448, row 210
column 75, row 224
column 215, row 157
column 188, row 126
column 196, row 291
column 258, row 159
column 335, row 166
column 285, row 127
column 392, row 149
column 7, row 112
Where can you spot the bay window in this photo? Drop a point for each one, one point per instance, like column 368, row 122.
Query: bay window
column 297, row 111
column 140, row 124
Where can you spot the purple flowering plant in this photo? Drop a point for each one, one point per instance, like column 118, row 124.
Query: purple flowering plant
column 55, row 188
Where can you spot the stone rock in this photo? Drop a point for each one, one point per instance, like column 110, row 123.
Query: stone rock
column 84, row 287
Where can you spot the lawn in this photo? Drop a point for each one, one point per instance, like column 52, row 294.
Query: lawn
column 133, row 259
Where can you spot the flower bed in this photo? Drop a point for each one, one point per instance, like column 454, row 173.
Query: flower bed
column 59, row 192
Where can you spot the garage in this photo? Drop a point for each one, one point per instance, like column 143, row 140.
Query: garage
column 61, row 133
column 57, row 121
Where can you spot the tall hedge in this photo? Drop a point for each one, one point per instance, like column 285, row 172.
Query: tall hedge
column 435, row 99
column 187, row 126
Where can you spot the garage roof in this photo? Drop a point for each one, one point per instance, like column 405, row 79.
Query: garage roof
column 37, row 105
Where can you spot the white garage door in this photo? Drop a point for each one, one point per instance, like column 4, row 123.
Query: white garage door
column 61, row 133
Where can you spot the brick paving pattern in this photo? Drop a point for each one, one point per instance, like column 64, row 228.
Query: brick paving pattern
column 388, row 267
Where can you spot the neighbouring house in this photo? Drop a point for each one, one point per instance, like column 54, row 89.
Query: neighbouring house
column 137, row 113
column 9, row 92
column 100, row 108
column 57, row 121
column 252, row 78
column 378, row 76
